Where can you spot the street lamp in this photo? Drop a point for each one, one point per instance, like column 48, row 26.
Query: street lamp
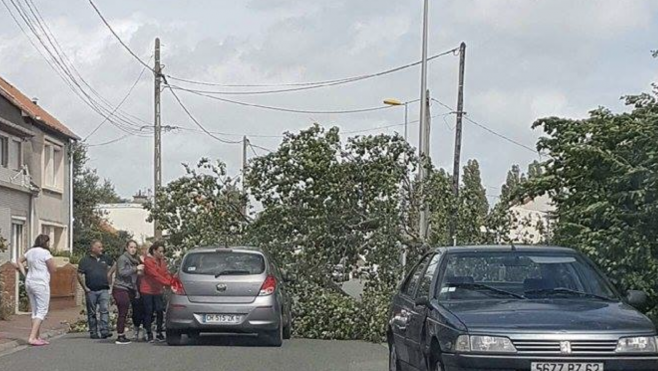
column 395, row 102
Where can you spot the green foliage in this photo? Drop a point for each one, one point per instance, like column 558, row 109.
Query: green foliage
column 3, row 243
column 326, row 202
column 204, row 207
column 602, row 174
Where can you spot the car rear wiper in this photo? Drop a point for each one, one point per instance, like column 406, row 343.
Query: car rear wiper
column 478, row 286
column 564, row 290
column 231, row 272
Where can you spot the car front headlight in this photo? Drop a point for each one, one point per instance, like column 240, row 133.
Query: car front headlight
column 641, row 344
column 484, row 344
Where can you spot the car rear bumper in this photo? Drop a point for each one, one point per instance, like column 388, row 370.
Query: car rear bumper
column 471, row 362
column 263, row 314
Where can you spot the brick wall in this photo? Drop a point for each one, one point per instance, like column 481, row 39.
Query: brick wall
column 8, row 276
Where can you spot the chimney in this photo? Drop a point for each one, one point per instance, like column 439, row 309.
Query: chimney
column 35, row 100
column 140, row 198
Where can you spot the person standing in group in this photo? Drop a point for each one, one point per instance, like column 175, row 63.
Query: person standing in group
column 156, row 277
column 124, row 289
column 40, row 266
column 93, row 272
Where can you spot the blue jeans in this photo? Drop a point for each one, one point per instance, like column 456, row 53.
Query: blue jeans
column 98, row 302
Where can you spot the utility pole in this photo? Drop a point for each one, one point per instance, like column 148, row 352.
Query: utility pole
column 458, row 140
column 157, row 163
column 245, row 143
column 423, row 135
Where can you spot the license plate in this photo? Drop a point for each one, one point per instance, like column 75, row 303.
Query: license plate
column 223, row 318
column 551, row 366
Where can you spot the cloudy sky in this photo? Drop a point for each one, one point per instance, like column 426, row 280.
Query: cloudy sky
column 526, row 59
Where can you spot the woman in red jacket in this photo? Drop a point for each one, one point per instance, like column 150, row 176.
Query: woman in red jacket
column 151, row 286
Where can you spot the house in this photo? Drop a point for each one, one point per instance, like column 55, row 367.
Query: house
column 35, row 174
column 532, row 220
column 130, row 217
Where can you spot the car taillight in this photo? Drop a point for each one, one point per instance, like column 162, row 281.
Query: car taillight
column 269, row 286
column 177, row 286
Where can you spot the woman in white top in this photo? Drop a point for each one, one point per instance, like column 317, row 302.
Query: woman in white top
column 40, row 265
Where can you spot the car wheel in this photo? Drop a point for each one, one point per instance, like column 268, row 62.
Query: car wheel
column 287, row 331
column 393, row 362
column 174, row 337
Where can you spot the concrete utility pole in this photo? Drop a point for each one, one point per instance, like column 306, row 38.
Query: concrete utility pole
column 157, row 163
column 458, row 139
column 423, row 127
column 245, row 143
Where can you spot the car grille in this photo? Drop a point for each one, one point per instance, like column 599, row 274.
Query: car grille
column 578, row 347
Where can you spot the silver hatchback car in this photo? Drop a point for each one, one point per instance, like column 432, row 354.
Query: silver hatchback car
column 228, row 290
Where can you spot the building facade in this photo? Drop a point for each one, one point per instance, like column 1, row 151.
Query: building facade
column 35, row 175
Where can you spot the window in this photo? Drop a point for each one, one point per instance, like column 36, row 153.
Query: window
column 235, row 263
column 57, row 236
column 53, row 165
column 17, row 240
column 4, row 151
column 426, row 281
column 520, row 275
column 412, row 282
column 16, row 154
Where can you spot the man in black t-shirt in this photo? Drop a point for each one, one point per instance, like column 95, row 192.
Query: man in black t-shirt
column 93, row 277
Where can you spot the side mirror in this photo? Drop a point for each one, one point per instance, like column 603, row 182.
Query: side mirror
column 636, row 297
column 422, row 301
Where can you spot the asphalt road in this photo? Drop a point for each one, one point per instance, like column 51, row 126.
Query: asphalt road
column 78, row 352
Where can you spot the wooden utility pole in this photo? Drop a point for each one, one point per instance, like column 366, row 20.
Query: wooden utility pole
column 458, row 141
column 157, row 163
column 424, row 170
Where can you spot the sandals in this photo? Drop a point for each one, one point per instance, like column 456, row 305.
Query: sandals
column 38, row 343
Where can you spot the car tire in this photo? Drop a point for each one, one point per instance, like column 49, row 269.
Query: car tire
column 287, row 332
column 174, row 338
column 393, row 361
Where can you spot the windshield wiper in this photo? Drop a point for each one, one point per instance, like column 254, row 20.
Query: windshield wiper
column 564, row 290
column 480, row 286
column 231, row 272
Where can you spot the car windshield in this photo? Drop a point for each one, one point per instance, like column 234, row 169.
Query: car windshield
column 223, row 263
column 521, row 276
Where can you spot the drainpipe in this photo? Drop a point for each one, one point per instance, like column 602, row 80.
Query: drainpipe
column 71, row 156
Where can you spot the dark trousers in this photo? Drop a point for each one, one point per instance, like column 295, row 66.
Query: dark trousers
column 138, row 311
column 122, row 298
column 153, row 303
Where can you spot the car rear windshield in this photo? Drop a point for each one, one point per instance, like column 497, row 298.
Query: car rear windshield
column 214, row 263
column 521, row 275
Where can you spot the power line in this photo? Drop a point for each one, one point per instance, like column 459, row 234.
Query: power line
column 229, row 134
column 125, row 46
column 189, row 114
column 60, row 63
column 252, row 149
column 120, row 103
column 263, row 148
column 482, row 126
column 304, row 86
column 283, row 109
column 111, row 141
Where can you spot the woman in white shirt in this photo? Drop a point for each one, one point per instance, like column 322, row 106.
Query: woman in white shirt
column 40, row 265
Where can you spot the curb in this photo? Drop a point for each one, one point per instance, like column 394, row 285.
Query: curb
column 11, row 346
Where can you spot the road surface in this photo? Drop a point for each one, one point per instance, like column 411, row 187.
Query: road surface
column 78, row 352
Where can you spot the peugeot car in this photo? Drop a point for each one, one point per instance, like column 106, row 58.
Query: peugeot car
column 228, row 290
column 508, row 308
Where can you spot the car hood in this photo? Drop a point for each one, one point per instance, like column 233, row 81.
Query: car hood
column 576, row 315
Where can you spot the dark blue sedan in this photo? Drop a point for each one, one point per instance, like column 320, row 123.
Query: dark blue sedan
column 508, row 308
